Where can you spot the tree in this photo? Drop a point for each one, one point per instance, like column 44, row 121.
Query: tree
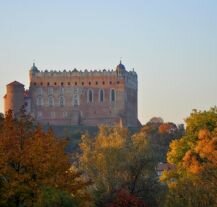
column 156, row 120
column 160, row 135
column 195, row 157
column 114, row 160
column 124, row 199
column 167, row 128
column 32, row 160
column 55, row 198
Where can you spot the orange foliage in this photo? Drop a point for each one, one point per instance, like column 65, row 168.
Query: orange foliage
column 165, row 128
column 191, row 163
column 31, row 159
column 204, row 154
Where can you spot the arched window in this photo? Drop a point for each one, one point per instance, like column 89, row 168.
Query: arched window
column 101, row 95
column 90, row 96
column 62, row 101
column 112, row 95
column 50, row 101
column 39, row 101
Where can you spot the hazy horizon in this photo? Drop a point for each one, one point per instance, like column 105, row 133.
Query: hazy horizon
column 172, row 45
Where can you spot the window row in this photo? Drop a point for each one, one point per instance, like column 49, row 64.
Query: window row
column 50, row 91
column 76, row 98
column 52, row 115
column 40, row 101
column 101, row 96
column 75, row 83
column 58, row 115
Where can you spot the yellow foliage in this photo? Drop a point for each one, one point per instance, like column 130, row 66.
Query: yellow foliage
column 114, row 160
column 203, row 134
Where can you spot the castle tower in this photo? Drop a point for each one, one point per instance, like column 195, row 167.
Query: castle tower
column 130, row 96
column 14, row 98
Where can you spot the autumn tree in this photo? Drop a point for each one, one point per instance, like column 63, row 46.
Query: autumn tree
column 193, row 182
column 124, row 199
column 116, row 160
column 160, row 135
column 167, row 128
column 33, row 161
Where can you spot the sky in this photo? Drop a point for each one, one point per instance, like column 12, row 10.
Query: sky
column 171, row 44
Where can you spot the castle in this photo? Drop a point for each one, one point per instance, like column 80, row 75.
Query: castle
column 86, row 98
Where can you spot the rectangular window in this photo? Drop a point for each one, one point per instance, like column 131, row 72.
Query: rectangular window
column 65, row 114
column 75, row 97
column 62, row 90
column 50, row 101
column 40, row 91
column 39, row 101
column 50, row 91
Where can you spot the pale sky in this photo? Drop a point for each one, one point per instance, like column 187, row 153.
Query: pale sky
column 172, row 45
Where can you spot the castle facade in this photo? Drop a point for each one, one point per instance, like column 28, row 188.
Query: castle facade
column 87, row 98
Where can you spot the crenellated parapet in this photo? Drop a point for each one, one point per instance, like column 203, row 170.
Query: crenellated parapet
column 34, row 72
column 75, row 97
column 86, row 72
column 74, row 73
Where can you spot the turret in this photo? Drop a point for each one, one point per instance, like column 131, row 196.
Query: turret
column 33, row 70
column 14, row 98
column 120, row 69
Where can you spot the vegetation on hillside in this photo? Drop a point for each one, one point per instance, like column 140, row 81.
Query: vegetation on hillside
column 34, row 169
column 111, row 167
column 194, row 180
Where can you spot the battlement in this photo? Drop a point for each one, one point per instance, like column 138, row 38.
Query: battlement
column 34, row 72
column 86, row 72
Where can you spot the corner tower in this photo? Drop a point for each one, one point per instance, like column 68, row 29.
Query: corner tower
column 130, row 96
column 14, row 98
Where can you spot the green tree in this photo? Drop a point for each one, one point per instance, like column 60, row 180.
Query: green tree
column 193, row 182
column 55, row 198
column 160, row 135
column 116, row 160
